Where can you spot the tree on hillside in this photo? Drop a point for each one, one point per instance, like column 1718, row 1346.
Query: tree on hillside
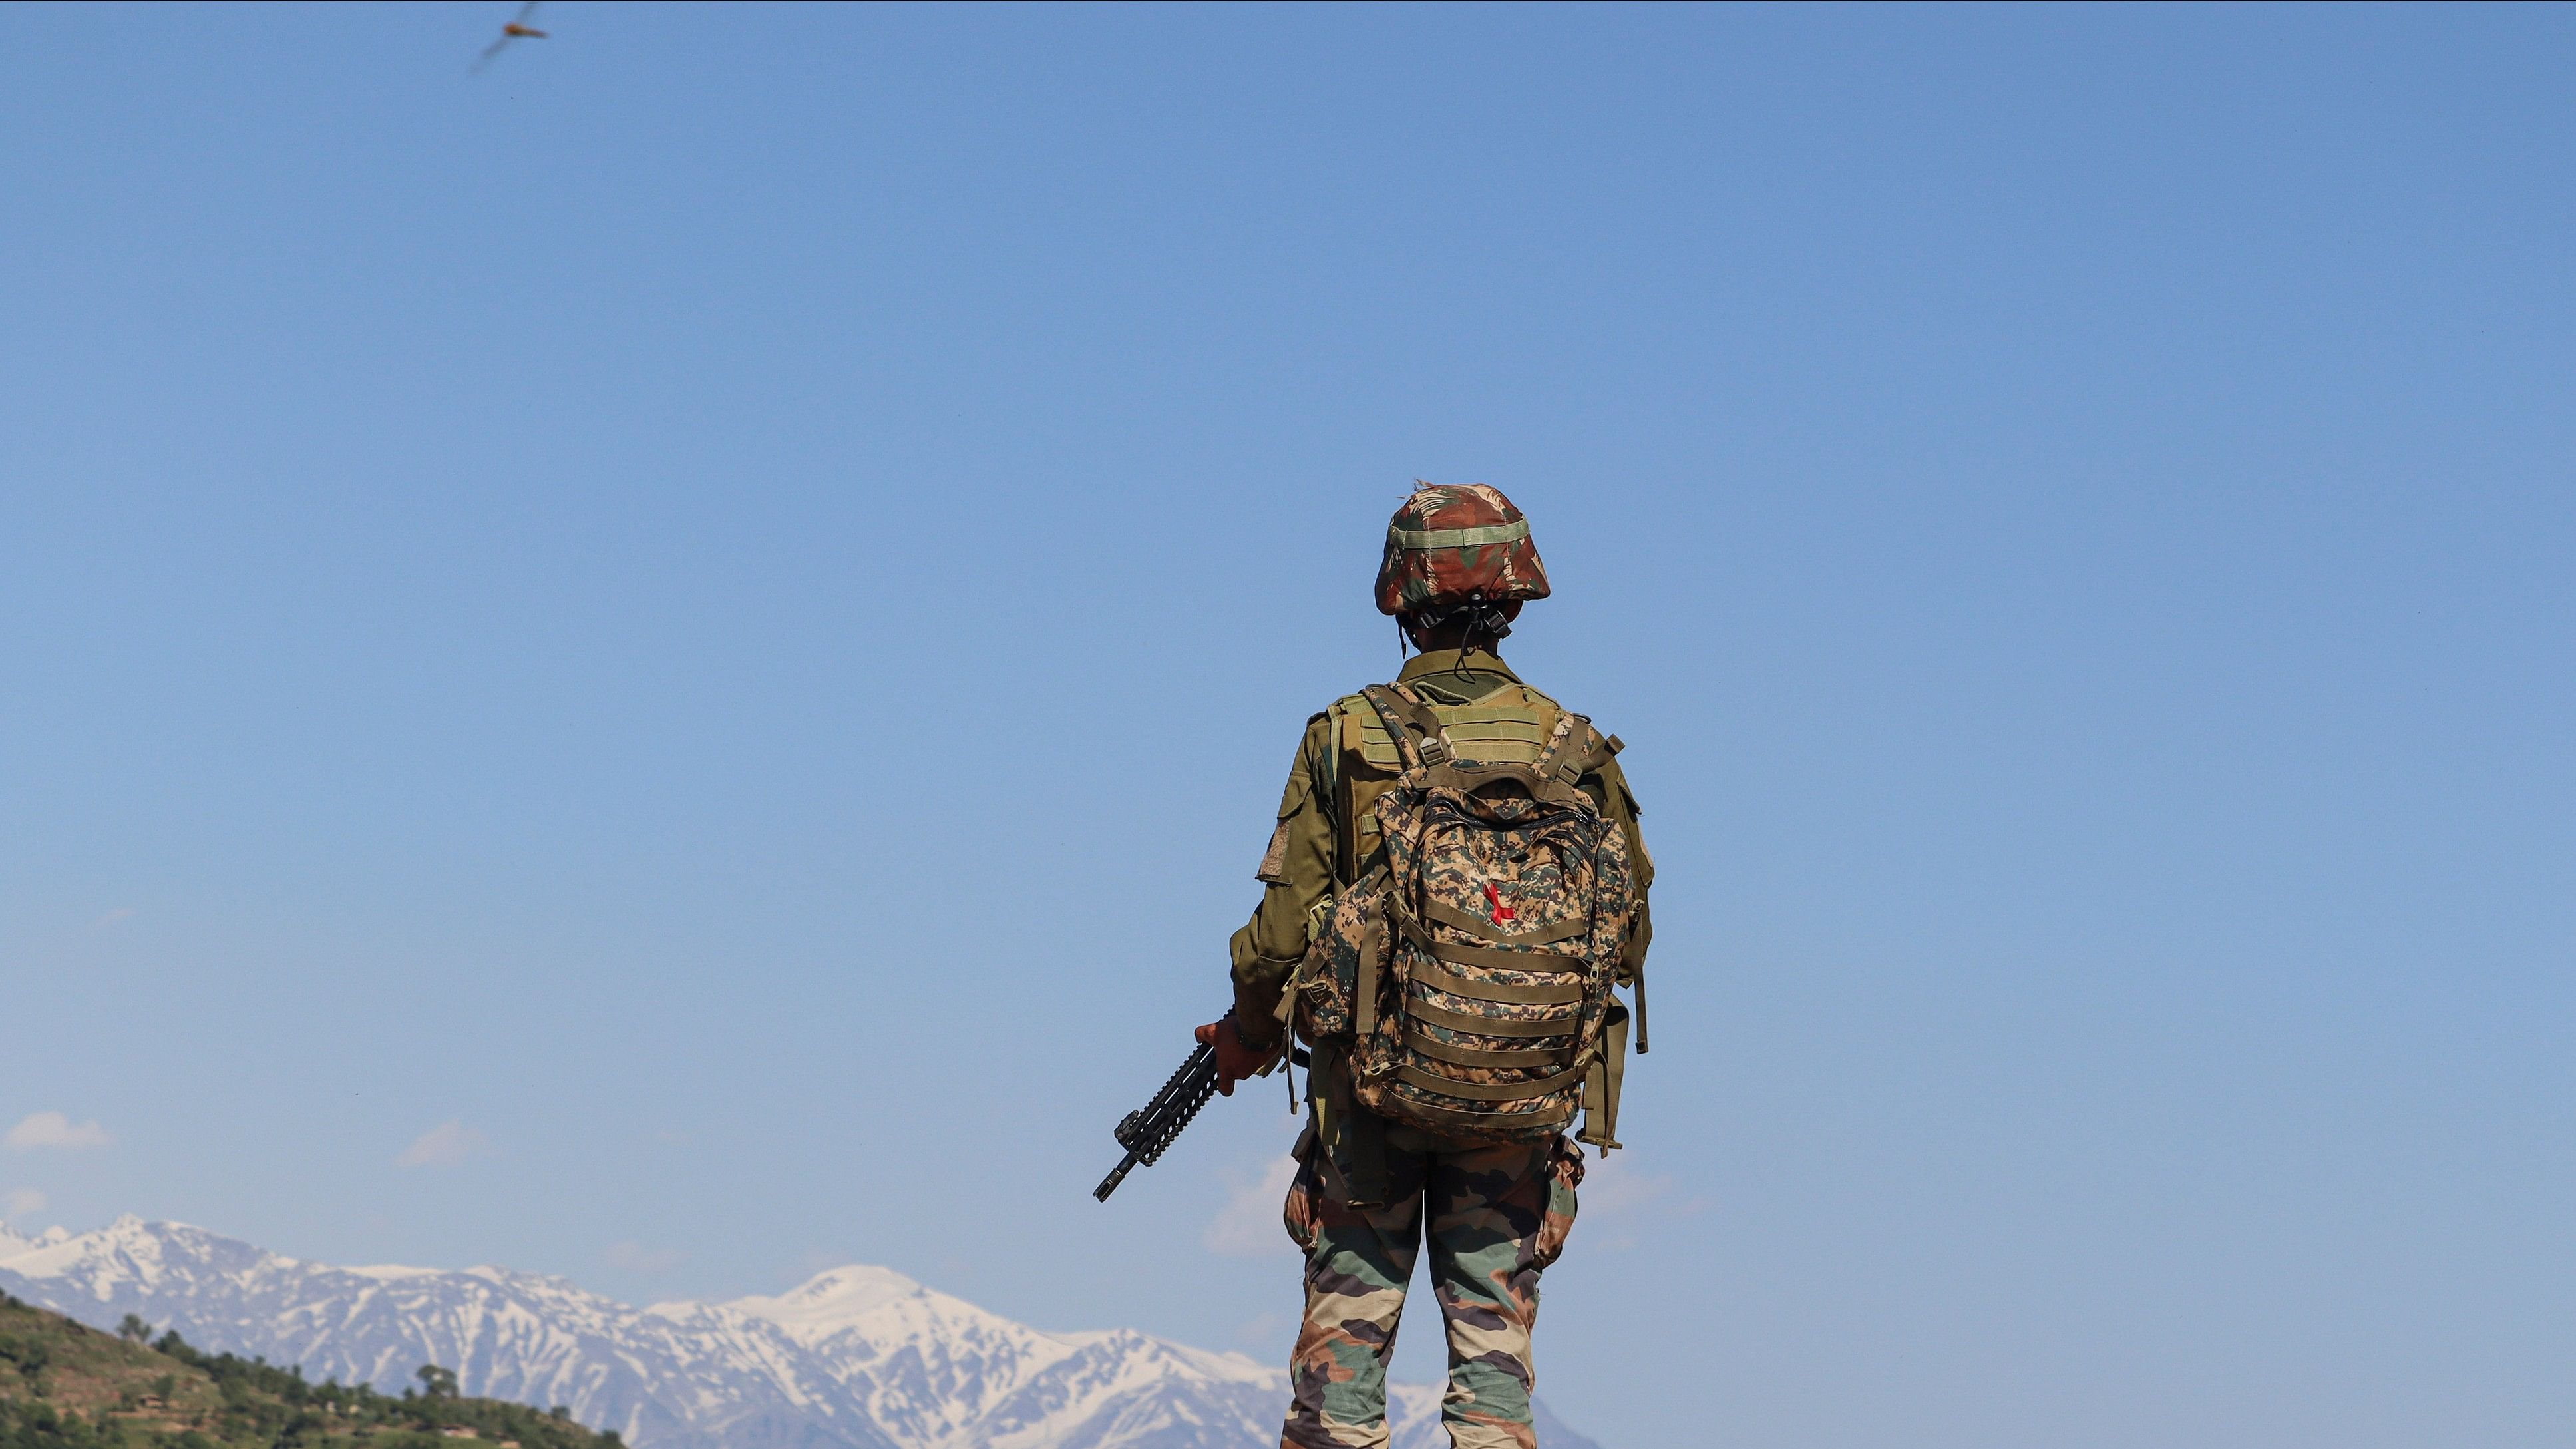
column 436, row 1382
column 134, row 1329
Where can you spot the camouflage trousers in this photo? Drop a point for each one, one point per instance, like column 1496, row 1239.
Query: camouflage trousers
column 1494, row 1218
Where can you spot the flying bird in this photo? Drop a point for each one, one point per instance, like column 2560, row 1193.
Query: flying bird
column 517, row 29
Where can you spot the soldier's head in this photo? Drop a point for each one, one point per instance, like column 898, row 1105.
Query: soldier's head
column 1459, row 563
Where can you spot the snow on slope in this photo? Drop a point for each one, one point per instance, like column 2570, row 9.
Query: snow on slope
column 855, row 1358
column 676, row 1380
column 926, row 1366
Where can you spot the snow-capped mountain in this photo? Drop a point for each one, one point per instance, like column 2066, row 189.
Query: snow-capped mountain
column 856, row 1358
column 13, row 1242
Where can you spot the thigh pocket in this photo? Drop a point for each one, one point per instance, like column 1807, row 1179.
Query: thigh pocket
column 1564, row 1174
column 1303, row 1213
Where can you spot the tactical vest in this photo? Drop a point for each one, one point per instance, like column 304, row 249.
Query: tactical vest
column 1510, row 725
column 1464, row 966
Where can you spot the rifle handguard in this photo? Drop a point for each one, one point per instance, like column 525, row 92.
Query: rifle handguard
column 1148, row 1130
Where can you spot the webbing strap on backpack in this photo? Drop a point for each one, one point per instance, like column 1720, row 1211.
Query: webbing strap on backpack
column 1422, row 743
column 1601, row 1086
column 1448, row 915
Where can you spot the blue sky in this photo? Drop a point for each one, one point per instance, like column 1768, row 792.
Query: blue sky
column 695, row 635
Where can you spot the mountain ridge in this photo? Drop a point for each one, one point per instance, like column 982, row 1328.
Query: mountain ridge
column 66, row 1385
column 856, row 1357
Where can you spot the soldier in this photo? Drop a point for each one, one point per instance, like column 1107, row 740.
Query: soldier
column 1373, row 1179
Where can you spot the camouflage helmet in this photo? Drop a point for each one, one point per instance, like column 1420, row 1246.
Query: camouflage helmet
column 1453, row 543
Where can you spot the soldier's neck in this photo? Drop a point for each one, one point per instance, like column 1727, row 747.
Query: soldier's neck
column 1466, row 674
column 1477, row 656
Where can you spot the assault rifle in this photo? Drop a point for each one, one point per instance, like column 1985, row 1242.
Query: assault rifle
column 1149, row 1129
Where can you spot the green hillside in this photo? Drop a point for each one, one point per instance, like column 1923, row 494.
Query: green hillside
column 64, row 1385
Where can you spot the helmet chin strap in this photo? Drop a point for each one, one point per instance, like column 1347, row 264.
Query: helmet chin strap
column 1475, row 616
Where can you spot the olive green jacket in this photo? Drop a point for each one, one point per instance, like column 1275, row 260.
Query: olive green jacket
column 1311, row 848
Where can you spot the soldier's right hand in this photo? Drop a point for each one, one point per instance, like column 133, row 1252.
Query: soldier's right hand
column 1234, row 1060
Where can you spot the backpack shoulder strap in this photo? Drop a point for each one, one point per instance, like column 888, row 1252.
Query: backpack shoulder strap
column 1415, row 728
column 1331, row 763
column 1570, row 749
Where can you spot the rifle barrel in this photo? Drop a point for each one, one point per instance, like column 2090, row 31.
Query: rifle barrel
column 1110, row 1183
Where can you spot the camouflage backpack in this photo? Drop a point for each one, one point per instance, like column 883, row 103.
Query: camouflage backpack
column 1466, row 975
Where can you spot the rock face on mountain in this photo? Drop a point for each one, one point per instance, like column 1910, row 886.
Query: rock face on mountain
column 856, row 1358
